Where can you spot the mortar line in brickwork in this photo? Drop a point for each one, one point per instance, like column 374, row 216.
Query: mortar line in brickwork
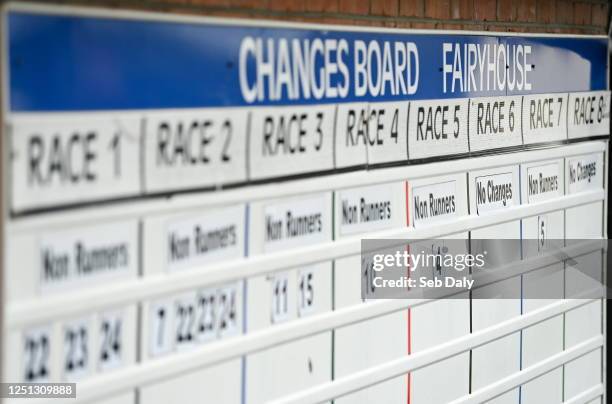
column 351, row 18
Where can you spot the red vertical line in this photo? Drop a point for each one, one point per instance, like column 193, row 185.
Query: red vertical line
column 408, row 325
column 409, row 375
column 409, row 331
column 407, row 204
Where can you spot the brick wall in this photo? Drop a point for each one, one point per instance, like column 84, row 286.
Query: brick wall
column 556, row 16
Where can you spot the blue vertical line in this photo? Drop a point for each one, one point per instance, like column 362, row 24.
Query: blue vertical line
column 244, row 304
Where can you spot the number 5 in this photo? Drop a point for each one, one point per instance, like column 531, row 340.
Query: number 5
column 541, row 232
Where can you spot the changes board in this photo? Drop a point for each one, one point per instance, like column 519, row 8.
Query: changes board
column 184, row 200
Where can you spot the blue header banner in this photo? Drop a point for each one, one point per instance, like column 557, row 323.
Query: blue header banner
column 85, row 63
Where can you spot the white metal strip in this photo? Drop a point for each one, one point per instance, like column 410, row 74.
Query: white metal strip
column 587, row 395
column 166, row 367
column 527, row 265
column 20, row 313
column 253, row 193
column 516, row 379
column 495, row 389
column 377, row 374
